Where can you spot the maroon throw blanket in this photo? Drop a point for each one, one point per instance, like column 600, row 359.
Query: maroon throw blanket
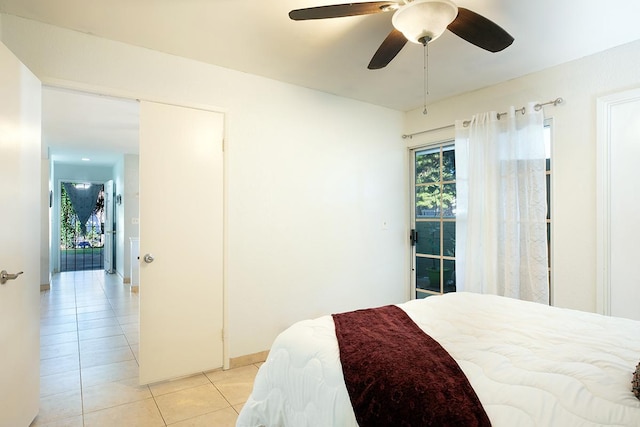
column 397, row 375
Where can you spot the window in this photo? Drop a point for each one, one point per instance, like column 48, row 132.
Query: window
column 433, row 233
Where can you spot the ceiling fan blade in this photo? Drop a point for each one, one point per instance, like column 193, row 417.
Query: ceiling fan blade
column 478, row 30
column 340, row 10
column 388, row 50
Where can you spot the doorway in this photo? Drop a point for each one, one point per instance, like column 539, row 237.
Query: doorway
column 198, row 287
column 81, row 226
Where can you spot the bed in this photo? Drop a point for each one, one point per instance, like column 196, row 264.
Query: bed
column 529, row 364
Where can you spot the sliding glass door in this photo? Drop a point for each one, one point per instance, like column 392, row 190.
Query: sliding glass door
column 433, row 234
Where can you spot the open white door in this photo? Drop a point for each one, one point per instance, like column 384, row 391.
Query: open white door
column 20, row 110
column 618, row 229
column 109, row 230
column 181, row 241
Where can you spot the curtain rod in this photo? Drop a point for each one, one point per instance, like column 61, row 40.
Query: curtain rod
column 536, row 107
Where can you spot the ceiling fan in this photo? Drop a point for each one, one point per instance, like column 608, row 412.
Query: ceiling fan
column 418, row 21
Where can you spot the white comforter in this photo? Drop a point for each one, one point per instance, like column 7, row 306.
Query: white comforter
column 531, row 365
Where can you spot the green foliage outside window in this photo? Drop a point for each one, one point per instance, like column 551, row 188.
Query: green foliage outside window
column 434, row 198
column 69, row 224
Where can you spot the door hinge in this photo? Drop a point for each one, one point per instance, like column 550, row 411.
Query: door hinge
column 413, row 237
column 222, row 334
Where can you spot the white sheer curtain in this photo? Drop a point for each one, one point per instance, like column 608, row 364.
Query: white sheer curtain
column 501, row 231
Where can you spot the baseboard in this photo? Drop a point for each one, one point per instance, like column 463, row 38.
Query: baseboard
column 45, row 287
column 249, row 359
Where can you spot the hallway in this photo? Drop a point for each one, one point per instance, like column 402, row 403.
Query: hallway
column 89, row 368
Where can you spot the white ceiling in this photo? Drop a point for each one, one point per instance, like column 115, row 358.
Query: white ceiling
column 256, row 36
column 77, row 126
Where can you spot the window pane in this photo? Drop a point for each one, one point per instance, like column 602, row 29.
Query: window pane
column 427, row 166
column 449, row 275
column 449, row 239
column 428, row 238
column 449, row 201
column 449, row 165
column 428, row 274
column 428, row 201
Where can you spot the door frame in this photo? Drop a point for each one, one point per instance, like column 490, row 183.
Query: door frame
column 132, row 96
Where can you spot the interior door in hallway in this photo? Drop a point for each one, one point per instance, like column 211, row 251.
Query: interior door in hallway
column 181, row 236
column 20, row 111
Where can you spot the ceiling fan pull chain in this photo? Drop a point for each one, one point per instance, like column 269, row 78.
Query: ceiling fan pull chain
column 426, row 76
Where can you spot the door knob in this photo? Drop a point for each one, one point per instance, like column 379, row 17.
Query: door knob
column 4, row 276
column 148, row 258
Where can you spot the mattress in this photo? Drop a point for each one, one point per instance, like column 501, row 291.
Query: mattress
column 529, row 364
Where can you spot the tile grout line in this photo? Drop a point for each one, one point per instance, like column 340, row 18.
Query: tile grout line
column 219, row 391
column 155, row 402
column 75, row 294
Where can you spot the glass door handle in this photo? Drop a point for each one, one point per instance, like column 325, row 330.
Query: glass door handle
column 413, row 237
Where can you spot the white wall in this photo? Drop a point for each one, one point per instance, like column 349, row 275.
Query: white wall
column 45, row 270
column 310, row 178
column 126, row 183
column 118, row 183
column 580, row 83
column 130, row 200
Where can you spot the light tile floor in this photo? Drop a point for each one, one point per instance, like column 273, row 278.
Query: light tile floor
column 89, row 367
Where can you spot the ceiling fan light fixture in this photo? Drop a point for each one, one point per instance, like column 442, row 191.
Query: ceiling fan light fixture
column 422, row 21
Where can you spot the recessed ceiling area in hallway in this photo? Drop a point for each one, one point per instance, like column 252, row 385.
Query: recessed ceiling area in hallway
column 79, row 125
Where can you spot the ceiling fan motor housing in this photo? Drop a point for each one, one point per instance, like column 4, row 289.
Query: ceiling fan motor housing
column 422, row 21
